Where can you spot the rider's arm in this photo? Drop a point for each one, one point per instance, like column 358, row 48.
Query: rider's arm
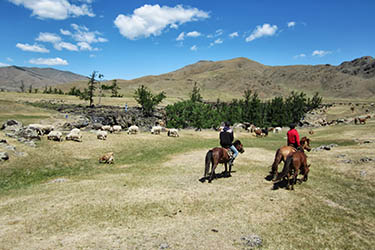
column 297, row 138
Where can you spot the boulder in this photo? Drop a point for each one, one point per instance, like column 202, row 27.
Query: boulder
column 11, row 123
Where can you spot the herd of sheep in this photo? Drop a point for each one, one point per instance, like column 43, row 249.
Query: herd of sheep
column 101, row 134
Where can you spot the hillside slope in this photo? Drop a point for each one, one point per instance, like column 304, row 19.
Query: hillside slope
column 12, row 77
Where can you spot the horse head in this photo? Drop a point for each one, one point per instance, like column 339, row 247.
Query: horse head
column 305, row 143
column 238, row 145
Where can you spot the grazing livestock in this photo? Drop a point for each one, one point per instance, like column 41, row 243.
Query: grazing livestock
column 156, row 130
column 74, row 135
column 107, row 158
column 41, row 128
column 277, row 130
column 173, row 132
column 107, row 128
column 133, row 129
column 55, row 136
column 116, row 129
column 101, row 135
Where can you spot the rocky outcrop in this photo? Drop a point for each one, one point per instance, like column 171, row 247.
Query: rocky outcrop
column 363, row 67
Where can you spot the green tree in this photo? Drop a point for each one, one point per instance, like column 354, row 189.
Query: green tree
column 147, row 100
column 195, row 95
column 89, row 93
column 22, row 87
column 115, row 88
column 31, row 88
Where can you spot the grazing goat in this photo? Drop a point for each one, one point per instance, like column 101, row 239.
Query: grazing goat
column 101, row 135
column 107, row 158
column 74, row 135
column 133, row 129
column 55, row 136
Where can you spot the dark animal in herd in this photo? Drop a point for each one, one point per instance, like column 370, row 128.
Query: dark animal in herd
column 295, row 164
column 283, row 152
column 219, row 155
column 361, row 120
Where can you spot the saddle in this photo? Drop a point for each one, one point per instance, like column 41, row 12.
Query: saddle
column 230, row 153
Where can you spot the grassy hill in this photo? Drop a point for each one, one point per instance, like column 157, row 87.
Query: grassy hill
column 228, row 79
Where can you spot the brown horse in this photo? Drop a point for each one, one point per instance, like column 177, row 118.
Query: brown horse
column 283, row 152
column 296, row 163
column 219, row 155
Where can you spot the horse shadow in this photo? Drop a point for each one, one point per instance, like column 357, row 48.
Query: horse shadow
column 217, row 176
column 276, row 185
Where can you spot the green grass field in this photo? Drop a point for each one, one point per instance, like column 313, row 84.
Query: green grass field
column 152, row 194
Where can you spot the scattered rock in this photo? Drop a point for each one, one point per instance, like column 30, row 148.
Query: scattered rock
column 214, row 230
column 4, row 156
column 347, row 161
column 341, row 156
column 59, row 180
column 252, row 240
column 11, row 125
column 163, row 246
column 324, row 147
column 363, row 173
column 366, row 159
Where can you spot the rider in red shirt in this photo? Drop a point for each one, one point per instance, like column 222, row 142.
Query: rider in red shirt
column 293, row 136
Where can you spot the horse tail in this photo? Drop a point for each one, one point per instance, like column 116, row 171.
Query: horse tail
column 277, row 160
column 286, row 168
column 207, row 162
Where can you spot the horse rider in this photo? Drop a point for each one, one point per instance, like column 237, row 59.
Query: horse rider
column 226, row 140
column 293, row 136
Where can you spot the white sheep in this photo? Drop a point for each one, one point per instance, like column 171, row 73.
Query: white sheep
column 173, row 132
column 107, row 128
column 277, row 130
column 55, row 136
column 116, row 129
column 74, row 135
column 101, row 135
column 133, row 129
column 41, row 128
column 156, row 130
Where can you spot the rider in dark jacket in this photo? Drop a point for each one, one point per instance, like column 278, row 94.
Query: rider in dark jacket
column 226, row 140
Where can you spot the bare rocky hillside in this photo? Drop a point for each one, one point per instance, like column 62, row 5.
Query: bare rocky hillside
column 12, row 77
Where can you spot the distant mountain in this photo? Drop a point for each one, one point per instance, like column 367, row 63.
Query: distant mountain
column 12, row 77
column 228, row 79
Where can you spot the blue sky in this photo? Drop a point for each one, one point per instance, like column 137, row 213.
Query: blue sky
column 134, row 38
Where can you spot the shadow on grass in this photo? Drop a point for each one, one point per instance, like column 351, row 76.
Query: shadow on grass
column 217, row 176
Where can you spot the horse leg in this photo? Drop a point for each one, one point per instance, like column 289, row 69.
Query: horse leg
column 294, row 180
column 230, row 169
column 212, row 172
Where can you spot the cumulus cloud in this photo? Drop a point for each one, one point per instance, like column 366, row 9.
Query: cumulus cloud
column 299, row 56
column 217, row 41
column 260, row 31
column 65, row 32
column 48, row 37
column 181, row 36
column 152, row 20
column 32, row 48
column 4, row 64
column 320, row 53
column 83, row 34
column 55, row 9
column 193, row 34
column 194, row 48
column 65, row 45
column 291, row 24
column 48, row 61
column 234, row 34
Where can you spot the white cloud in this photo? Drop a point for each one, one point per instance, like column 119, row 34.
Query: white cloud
column 65, row 32
column 86, row 46
column 9, row 59
column 55, row 9
column 83, row 34
column 152, row 20
column 193, row 34
column 234, row 34
column 4, row 64
column 299, row 56
column 260, row 31
column 173, row 26
column 291, row 24
column 48, row 37
column 320, row 53
column 48, row 61
column 194, row 48
column 219, row 32
column 218, row 41
column 65, row 45
column 181, row 36
column 33, row 48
